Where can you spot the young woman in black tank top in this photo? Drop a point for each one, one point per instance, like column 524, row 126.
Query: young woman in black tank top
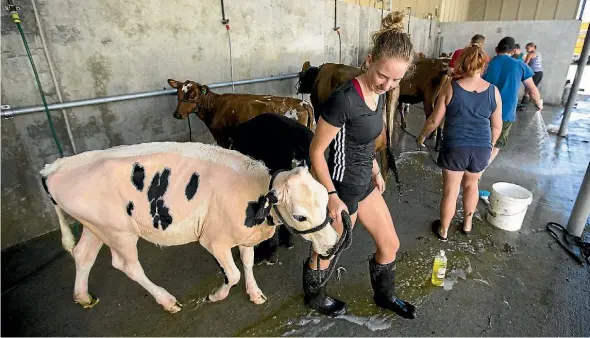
column 350, row 121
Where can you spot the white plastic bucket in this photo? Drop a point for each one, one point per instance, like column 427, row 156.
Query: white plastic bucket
column 508, row 205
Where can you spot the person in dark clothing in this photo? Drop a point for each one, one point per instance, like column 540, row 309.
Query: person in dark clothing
column 472, row 109
column 350, row 121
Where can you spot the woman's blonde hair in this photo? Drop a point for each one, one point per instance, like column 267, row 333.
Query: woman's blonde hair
column 472, row 60
column 391, row 41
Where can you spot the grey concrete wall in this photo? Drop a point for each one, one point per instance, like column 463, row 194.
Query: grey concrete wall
column 114, row 47
column 555, row 41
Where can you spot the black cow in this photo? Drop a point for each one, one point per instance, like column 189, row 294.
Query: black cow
column 281, row 143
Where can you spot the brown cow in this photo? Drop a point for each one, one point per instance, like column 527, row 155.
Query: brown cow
column 424, row 85
column 321, row 82
column 222, row 113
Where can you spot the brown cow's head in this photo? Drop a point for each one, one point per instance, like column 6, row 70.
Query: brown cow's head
column 191, row 98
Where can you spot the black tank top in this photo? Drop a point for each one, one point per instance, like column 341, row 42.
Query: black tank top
column 350, row 158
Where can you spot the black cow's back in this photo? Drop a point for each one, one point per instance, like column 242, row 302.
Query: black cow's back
column 274, row 139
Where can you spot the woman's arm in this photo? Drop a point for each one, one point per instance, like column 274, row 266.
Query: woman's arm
column 324, row 134
column 496, row 118
column 439, row 113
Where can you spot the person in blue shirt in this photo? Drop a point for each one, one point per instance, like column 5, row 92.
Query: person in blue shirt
column 507, row 74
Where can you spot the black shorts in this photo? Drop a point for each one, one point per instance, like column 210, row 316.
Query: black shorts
column 352, row 194
column 537, row 78
column 465, row 158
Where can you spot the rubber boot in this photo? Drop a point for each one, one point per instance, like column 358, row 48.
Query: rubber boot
column 383, row 282
column 315, row 297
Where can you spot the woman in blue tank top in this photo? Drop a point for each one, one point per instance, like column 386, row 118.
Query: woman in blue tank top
column 472, row 110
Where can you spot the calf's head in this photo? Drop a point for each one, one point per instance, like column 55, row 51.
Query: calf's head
column 302, row 203
column 191, row 98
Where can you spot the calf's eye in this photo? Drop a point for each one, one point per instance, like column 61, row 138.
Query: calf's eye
column 300, row 218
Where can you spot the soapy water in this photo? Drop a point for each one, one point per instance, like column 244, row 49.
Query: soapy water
column 312, row 326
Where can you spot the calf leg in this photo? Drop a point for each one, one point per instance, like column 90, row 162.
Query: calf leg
column 229, row 269
column 125, row 258
column 285, row 237
column 267, row 251
column 256, row 295
column 85, row 253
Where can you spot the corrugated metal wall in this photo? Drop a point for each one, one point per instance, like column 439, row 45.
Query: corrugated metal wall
column 482, row 10
column 508, row 10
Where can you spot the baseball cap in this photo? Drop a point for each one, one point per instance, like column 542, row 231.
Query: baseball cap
column 507, row 43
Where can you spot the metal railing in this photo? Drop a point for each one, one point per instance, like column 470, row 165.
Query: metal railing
column 10, row 112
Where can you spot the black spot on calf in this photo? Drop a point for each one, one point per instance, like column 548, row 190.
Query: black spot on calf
column 138, row 176
column 44, row 182
column 160, row 213
column 257, row 211
column 192, row 186
column 130, row 207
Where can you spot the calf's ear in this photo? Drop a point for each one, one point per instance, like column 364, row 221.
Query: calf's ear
column 173, row 83
column 257, row 211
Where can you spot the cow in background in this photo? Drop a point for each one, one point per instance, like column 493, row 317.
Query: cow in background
column 172, row 193
column 424, row 85
column 222, row 113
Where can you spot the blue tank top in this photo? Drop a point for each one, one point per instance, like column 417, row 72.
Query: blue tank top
column 535, row 63
column 467, row 120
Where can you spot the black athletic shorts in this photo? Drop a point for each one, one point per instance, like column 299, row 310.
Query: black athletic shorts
column 352, row 194
column 465, row 158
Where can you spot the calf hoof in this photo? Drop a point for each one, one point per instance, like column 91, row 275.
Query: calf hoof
column 174, row 308
column 258, row 299
column 90, row 303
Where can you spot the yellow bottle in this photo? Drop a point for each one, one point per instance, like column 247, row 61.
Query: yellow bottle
column 439, row 269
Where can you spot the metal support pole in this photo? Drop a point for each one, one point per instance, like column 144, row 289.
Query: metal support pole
column 581, row 211
column 574, row 91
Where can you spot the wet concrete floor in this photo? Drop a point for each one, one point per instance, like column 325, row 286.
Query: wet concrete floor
column 498, row 283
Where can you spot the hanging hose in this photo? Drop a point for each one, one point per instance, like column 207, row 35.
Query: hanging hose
column 190, row 131
column 337, row 30
column 16, row 19
column 225, row 22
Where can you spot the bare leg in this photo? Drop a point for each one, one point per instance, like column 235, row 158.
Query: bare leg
column 256, row 295
column 375, row 217
column 124, row 251
column 85, row 253
column 232, row 274
column 470, row 197
column 448, row 204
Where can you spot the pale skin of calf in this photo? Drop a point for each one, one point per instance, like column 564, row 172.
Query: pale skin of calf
column 96, row 194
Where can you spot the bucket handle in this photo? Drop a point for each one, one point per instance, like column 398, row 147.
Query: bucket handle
column 495, row 214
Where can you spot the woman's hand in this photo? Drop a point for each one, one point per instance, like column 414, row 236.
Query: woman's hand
column 335, row 207
column 421, row 140
column 379, row 182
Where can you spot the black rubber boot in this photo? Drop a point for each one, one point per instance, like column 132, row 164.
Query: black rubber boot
column 315, row 297
column 383, row 282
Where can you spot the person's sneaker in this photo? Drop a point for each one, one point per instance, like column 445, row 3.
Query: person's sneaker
column 484, row 195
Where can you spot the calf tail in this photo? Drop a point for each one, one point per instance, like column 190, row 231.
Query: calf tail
column 311, row 124
column 67, row 237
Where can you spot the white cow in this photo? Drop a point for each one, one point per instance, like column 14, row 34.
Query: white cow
column 175, row 193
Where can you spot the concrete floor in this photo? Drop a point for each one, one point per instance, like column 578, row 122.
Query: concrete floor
column 498, row 283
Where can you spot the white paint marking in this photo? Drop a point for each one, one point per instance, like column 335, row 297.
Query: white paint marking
column 186, row 87
column 292, row 114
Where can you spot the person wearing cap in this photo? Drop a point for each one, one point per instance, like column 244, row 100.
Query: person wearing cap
column 507, row 73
